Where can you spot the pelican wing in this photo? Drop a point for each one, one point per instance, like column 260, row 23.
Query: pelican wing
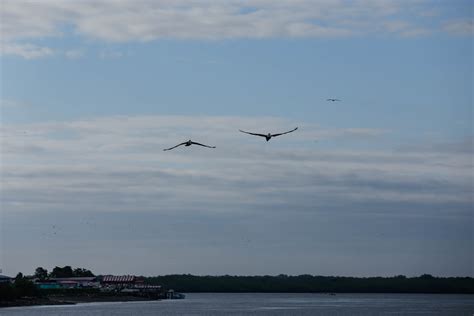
column 174, row 146
column 255, row 134
column 194, row 143
column 274, row 135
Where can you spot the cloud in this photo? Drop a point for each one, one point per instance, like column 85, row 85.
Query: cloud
column 74, row 53
column 144, row 21
column 405, row 29
column 111, row 54
column 350, row 133
column 6, row 103
column 430, row 12
column 415, row 32
column 117, row 164
column 31, row 51
column 463, row 146
column 108, row 188
column 397, row 26
column 27, row 51
column 459, row 27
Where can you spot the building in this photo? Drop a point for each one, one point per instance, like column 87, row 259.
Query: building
column 120, row 281
column 5, row 279
column 172, row 295
column 46, row 285
column 69, row 283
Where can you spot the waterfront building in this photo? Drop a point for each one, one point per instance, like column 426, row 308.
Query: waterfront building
column 121, row 281
column 45, row 285
column 68, row 283
column 5, row 279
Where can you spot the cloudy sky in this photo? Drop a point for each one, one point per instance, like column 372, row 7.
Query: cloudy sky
column 377, row 184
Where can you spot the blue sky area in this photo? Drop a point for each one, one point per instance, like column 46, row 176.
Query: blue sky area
column 379, row 183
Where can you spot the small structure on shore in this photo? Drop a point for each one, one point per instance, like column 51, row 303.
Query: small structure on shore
column 5, row 279
column 172, row 295
column 107, row 285
column 68, row 283
column 132, row 285
column 119, row 282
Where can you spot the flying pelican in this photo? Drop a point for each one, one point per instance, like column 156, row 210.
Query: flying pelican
column 189, row 143
column 269, row 135
column 333, row 100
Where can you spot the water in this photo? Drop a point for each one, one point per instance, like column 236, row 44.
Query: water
column 270, row 304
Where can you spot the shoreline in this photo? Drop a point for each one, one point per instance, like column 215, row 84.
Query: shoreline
column 70, row 300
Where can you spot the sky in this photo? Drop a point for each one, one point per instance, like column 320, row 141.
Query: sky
column 377, row 184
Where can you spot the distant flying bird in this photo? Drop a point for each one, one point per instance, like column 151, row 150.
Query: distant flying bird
column 189, row 143
column 269, row 135
column 333, row 100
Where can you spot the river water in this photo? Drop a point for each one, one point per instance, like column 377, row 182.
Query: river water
column 270, row 304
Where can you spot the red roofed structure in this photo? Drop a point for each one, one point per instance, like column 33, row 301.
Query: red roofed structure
column 118, row 278
column 121, row 281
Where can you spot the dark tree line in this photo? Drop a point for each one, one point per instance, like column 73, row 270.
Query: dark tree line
column 314, row 284
column 20, row 288
column 62, row 272
column 23, row 285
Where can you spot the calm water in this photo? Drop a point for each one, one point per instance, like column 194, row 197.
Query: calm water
column 271, row 304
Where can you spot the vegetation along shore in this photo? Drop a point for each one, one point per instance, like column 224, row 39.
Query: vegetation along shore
column 64, row 285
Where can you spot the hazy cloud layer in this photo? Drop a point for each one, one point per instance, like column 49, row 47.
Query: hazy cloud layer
column 117, row 164
column 143, row 20
column 27, row 51
column 81, row 191
column 460, row 27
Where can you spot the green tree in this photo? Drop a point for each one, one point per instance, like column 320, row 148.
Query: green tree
column 19, row 277
column 80, row 272
column 6, row 292
column 23, row 287
column 64, row 272
column 41, row 273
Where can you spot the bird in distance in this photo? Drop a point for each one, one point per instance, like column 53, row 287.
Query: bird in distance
column 333, row 100
column 189, row 143
column 269, row 135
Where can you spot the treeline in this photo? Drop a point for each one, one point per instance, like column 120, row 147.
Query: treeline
column 62, row 272
column 20, row 288
column 313, row 284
